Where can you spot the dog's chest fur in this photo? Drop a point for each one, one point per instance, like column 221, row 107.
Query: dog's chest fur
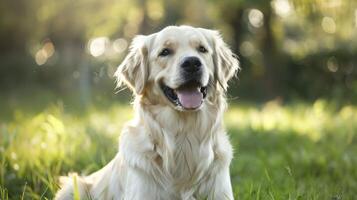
column 191, row 160
column 187, row 151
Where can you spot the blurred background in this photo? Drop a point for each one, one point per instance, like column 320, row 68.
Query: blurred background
column 288, row 49
column 59, row 109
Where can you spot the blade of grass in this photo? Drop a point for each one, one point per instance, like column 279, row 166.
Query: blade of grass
column 23, row 192
column 75, row 189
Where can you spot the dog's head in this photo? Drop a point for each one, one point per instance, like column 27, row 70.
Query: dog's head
column 180, row 66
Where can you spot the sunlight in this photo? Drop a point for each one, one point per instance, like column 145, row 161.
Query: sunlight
column 54, row 134
column 291, row 46
column 49, row 48
column 120, row 45
column 16, row 167
column 247, row 49
column 347, row 112
column 282, row 8
column 97, row 46
column 332, row 64
column 40, row 57
column 56, row 124
column 332, row 3
column 328, row 25
column 13, row 156
column 256, row 17
column 47, row 51
column 312, row 121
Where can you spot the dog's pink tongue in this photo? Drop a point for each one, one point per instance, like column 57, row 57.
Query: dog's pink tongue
column 190, row 98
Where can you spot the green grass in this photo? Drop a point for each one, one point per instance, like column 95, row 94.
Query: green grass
column 295, row 151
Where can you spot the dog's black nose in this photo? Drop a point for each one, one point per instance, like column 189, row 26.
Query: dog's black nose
column 191, row 64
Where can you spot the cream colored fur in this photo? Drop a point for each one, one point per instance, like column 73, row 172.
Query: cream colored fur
column 166, row 152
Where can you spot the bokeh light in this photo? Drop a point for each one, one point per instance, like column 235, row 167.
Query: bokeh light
column 247, row 48
column 283, row 8
column 42, row 55
column 328, row 25
column 256, row 18
column 120, row 45
column 332, row 64
column 97, row 46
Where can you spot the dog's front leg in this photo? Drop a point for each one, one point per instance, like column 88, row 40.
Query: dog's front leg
column 218, row 186
column 222, row 186
column 140, row 185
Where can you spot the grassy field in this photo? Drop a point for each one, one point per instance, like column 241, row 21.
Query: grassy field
column 294, row 151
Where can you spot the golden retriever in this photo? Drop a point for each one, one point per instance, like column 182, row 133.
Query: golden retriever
column 176, row 146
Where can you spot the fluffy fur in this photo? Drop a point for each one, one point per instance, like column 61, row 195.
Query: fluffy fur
column 167, row 152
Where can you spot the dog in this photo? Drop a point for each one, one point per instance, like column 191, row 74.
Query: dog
column 176, row 146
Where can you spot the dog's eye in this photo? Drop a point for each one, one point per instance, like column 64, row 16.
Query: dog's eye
column 165, row 52
column 202, row 49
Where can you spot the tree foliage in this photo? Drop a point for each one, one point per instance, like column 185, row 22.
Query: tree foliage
column 289, row 48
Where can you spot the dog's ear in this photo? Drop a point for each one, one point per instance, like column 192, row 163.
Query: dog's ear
column 133, row 71
column 227, row 64
column 225, row 61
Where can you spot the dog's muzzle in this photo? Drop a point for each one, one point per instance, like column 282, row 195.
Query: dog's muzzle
column 191, row 93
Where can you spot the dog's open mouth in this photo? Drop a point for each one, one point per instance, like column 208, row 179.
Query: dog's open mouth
column 188, row 96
